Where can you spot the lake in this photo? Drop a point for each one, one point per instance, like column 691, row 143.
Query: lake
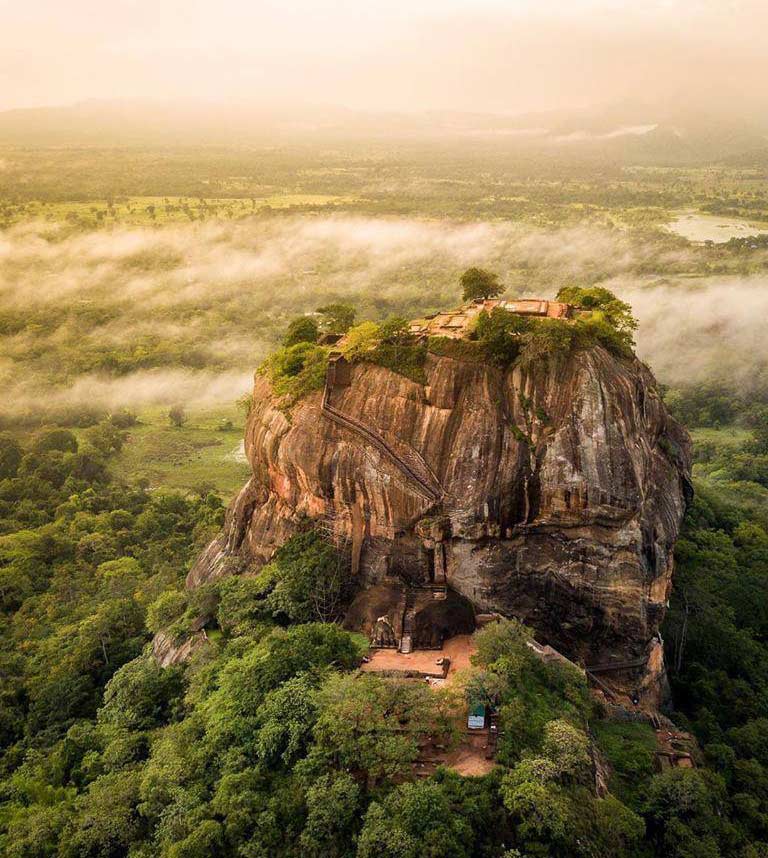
column 702, row 227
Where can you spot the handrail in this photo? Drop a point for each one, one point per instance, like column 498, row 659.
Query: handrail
column 377, row 441
column 600, row 684
column 618, row 665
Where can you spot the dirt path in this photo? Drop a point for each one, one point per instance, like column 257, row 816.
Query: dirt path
column 468, row 758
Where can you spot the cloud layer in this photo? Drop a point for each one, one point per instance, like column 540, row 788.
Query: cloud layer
column 136, row 316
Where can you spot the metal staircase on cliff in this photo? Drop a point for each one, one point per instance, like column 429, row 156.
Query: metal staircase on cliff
column 421, row 477
column 407, row 461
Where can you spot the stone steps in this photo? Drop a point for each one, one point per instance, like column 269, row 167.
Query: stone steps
column 409, row 615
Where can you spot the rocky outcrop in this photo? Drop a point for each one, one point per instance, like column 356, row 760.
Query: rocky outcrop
column 166, row 651
column 560, row 489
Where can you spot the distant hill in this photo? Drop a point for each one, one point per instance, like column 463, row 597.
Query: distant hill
column 629, row 133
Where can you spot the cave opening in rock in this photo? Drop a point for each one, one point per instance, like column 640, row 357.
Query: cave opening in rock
column 441, row 619
column 430, row 565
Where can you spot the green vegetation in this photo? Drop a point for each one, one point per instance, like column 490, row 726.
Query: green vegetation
column 388, row 344
column 134, row 281
column 601, row 308
column 629, row 748
column 499, row 336
column 268, row 742
column 296, row 370
column 478, row 284
column 505, row 337
column 205, row 453
column 158, row 210
column 337, row 318
column 302, row 329
column 468, row 350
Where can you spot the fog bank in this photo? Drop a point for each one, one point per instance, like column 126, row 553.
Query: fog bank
column 129, row 316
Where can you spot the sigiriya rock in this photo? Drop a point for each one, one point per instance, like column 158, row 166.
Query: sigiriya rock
column 552, row 492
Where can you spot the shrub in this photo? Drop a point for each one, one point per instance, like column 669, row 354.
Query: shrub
column 10, row 456
column 123, row 419
column 629, row 748
column 232, row 711
column 297, row 370
column 333, row 807
column 337, row 318
column 177, row 415
column 506, row 337
column 105, row 437
column 166, row 609
column 375, row 725
column 303, row 329
column 603, row 306
column 549, row 338
column 529, row 692
column 56, row 439
column 596, row 328
column 498, row 333
column 107, row 820
column 141, row 695
column 406, row 360
column 390, row 345
column 361, row 339
column 242, row 606
column 466, row 350
column 309, row 578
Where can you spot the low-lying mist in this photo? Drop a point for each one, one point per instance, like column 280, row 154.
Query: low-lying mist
column 127, row 317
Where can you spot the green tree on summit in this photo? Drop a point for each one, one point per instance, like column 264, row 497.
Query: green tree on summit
column 603, row 305
column 477, row 283
column 302, row 329
column 337, row 318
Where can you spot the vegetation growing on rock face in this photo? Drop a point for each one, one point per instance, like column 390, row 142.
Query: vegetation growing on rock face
column 294, row 371
column 500, row 337
column 506, row 337
column 307, row 580
column 603, row 308
column 303, row 329
column 388, row 344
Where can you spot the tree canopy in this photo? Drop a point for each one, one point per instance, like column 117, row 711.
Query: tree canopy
column 477, row 283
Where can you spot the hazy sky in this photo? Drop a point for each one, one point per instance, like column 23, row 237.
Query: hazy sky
column 497, row 55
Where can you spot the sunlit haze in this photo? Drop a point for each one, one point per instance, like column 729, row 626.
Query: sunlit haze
column 469, row 55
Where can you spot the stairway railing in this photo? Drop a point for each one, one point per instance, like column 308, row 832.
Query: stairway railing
column 610, row 667
column 433, row 493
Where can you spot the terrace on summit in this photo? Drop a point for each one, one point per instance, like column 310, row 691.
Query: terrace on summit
column 457, row 323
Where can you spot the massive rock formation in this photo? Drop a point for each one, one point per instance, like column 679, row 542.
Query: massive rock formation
column 553, row 493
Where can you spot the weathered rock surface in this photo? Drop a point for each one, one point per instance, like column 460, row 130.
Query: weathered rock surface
column 167, row 652
column 563, row 489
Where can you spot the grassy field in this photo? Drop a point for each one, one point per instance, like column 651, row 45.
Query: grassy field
column 728, row 436
column 197, row 456
column 149, row 211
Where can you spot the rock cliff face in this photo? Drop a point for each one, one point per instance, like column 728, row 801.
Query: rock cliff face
column 554, row 494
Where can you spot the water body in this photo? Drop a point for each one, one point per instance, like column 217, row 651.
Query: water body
column 703, row 227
